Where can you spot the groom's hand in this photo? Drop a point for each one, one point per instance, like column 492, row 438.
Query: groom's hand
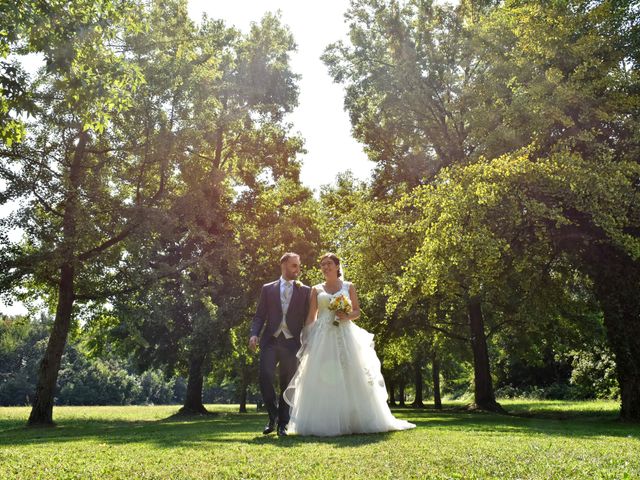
column 253, row 343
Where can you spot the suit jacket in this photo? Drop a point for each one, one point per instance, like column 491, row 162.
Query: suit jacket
column 269, row 312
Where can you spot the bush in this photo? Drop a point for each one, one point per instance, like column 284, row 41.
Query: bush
column 16, row 391
column 594, row 373
column 83, row 380
column 97, row 382
column 154, row 389
column 22, row 345
column 555, row 391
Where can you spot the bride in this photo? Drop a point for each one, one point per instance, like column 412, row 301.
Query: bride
column 338, row 388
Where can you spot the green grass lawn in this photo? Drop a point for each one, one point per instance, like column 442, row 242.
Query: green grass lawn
column 540, row 439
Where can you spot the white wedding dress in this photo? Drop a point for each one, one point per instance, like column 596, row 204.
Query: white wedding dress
column 338, row 388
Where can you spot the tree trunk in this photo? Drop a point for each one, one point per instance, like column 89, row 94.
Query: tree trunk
column 42, row 410
column 417, row 402
column 193, row 399
column 435, row 369
column 401, row 394
column 244, row 386
column 484, row 396
column 392, row 394
column 617, row 287
column 218, row 152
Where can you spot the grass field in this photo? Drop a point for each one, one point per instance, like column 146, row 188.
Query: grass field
column 539, row 439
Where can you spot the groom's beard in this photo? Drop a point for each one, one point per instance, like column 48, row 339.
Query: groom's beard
column 291, row 276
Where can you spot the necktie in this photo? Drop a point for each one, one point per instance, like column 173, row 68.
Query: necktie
column 285, row 297
column 287, row 291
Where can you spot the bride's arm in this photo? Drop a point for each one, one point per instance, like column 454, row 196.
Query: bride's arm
column 313, row 307
column 354, row 314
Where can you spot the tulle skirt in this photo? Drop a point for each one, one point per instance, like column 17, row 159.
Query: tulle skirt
column 338, row 388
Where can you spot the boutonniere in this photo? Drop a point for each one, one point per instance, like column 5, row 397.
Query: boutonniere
column 297, row 283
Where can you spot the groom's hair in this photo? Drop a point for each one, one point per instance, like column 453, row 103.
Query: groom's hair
column 287, row 256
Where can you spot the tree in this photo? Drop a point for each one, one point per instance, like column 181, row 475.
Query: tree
column 511, row 231
column 449, row 86
column 68, row 39
column 230, row 144
column 73, row 222
column 566, row 76
column 408, row 75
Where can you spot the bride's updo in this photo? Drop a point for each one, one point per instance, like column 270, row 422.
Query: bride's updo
column 334, row 258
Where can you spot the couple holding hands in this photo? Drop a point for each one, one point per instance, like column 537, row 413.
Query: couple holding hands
column 330, row 376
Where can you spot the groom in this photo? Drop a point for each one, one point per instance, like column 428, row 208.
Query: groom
column 282, row 310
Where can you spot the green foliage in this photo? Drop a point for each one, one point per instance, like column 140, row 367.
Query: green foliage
column 78, row 45
column 22, row 344
column 83, row 380
column 480, row 219
column 235, row 180
column 407, row 71
column 94, row 381
column 511, row 130
column 594, row 373
column 557, row 75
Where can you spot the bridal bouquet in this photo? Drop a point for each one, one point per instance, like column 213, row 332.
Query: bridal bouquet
column 341, row 303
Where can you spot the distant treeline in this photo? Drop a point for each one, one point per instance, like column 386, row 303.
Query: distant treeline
column 87, row 380
column 111, row 380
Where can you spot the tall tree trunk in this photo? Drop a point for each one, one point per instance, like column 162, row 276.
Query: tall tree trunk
column 401, row 393
column 193, row 399
column 392, row 393
column 42, row 409
column 417, row 402
column 618, row 286
column 435, row 369
column 484, row 396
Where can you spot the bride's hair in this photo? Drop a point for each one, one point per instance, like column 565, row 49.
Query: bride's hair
column 334, row 258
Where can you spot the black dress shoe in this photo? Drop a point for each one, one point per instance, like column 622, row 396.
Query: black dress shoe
column 269, row 427
column 282, row 430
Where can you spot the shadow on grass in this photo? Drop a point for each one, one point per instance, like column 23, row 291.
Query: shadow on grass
column 173, row 431
column 187, row 417
column 233, row 428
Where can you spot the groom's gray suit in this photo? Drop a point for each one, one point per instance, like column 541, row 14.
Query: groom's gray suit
column 279, row 350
